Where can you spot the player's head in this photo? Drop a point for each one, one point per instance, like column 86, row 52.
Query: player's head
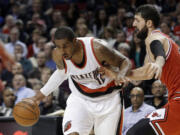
column 64, row 39
column 146, row 17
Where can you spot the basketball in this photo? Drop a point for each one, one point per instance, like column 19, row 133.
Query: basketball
column 26, row 113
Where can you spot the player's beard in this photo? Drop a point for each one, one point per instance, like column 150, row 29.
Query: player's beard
column 142, row 34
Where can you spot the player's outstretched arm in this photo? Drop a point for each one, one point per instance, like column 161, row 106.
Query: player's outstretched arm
column 151, row 69
column 55, row 80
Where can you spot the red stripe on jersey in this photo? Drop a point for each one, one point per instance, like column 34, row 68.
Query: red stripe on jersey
column 94, row 53
column 85, row 56
column 102, row 89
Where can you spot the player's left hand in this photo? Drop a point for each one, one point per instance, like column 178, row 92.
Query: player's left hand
column 154, row 69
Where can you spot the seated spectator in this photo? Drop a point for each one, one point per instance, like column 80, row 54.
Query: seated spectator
column 26, row 63
column 138, row 50
column 137, row 111
column 158, row 90
column 166, row 28
column 120, row 38
column 20, row 89
column 14, row 40
column 48, row 51
column 45, row 75
column 41, row 62
column 8, row 102
column 47, row 105
column 36, row 85
column 9, row 24
column 33, row 48
column 124, row 48
column 108, row 35
column 16, row 69
column 83, row 31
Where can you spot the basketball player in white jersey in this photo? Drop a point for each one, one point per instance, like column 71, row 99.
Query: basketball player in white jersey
column 95, row 99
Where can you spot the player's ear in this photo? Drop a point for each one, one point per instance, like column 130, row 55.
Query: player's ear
column 149, row 23
column 74, row 41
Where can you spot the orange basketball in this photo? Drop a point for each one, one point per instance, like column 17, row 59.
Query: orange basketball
column 26, row 113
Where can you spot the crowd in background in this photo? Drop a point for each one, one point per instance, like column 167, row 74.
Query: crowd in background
column 27, row 30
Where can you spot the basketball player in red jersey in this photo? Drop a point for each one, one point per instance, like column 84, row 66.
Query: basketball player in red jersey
column 162, row 62
column 95, row 100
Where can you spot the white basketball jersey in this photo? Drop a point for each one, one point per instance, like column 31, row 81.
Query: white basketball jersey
column 85, row 80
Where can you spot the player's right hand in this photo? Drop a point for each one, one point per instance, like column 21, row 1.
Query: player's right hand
column 153, row 70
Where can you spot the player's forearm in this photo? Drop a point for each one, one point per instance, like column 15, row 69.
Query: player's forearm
column 125, row 67
column 55, row 80
column 160, row 61
column 138, row 74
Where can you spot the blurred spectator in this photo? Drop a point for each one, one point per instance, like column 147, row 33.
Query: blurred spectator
column 124, row 48
column 166, row 28
column 129, row 29
column 15, row 10
column 112, row 22
column 120, row 38
column 36, row 85
column 18, row 54
column 41, row 43
column 14, row 40
column 45, row 75
column 20, row 89
column 108, row 35
column 31, row 23
column 48, row 51
column 138, row 50
column 23, row 36
column 100, row 22
column 72, row 14
column 17, row 68
column 8, row 102
column 83, row 31
column 41, row 62
column 56, row 18
column 137, row 111
column 159, row 91
column 80, row 21
column 33, row 48
column 47, row 105
column 177, row 27
column 121, row 17
column 9, row 24
column 52, row 32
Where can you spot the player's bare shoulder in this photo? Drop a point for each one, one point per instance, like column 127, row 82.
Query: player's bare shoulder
column 160, row 37
column 101, row 49
column 106, row 54
column 154, row 36
column 58, row 59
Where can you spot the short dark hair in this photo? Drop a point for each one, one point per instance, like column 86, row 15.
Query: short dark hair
column 149, row 12
column 64, row 33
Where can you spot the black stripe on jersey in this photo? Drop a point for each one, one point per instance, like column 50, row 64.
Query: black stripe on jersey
column 96, row 94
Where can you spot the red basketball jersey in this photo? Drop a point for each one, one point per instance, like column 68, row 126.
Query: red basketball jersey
column 171, row 70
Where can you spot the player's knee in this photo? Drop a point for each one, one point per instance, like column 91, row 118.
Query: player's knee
column 74, row 133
